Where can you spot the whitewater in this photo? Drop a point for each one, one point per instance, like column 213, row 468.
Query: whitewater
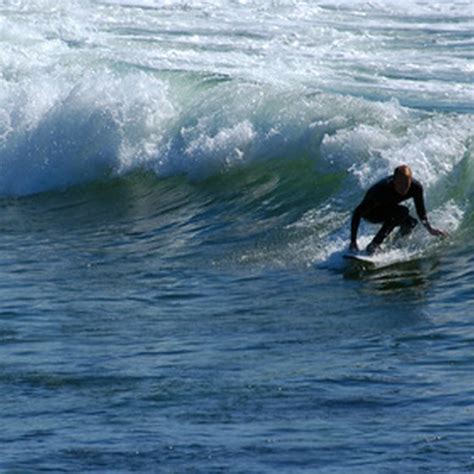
column 176, row 185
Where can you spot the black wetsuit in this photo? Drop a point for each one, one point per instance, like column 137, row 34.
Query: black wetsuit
column 381, row 204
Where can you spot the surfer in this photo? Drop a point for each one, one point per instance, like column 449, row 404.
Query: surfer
column 381, row 205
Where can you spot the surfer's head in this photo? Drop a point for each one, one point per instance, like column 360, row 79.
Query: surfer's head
column 402, row 178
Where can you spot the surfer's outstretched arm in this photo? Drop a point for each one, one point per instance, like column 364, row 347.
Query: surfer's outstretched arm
column 421, row 212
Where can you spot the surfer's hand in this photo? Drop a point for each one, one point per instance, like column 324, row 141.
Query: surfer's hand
column 438, row 232
column 353, row 247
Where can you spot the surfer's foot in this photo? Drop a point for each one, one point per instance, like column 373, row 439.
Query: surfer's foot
column 372, row 248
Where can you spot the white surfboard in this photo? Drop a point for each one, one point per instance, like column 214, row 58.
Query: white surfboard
column 361, row 258
column 380, row 259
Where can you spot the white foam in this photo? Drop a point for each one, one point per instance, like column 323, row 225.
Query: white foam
column 105, row 88
column 104, row 125
column 431, row 145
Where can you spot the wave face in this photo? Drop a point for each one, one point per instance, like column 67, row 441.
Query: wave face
column 308, row 93
column 302, row 104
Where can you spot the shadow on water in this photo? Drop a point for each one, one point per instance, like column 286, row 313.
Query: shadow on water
column 410, row 278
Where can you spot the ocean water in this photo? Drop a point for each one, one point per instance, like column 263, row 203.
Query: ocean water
column 176, row 185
